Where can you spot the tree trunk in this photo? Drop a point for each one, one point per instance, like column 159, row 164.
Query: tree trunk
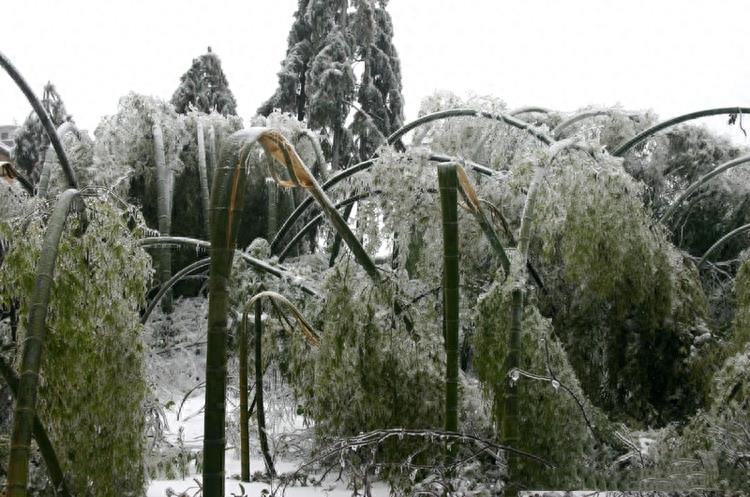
column 203, row 176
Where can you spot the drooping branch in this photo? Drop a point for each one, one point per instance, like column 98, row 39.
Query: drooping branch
column 622, row 149
column 446, row 114
column 167, row 286
column 23, row 419
column 44, row 118
column 300, row 175
column 255, row 263
column 317, row 219
column 580, row 117
column 347, row 173
column 702, row 181
column 721, row 241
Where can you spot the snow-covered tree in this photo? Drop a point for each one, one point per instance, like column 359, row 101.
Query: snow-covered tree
column 205, row 87
column 31, row 138
column 318, row 79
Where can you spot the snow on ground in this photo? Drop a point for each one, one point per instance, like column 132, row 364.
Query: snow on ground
column 191, row 424
column 176, row 367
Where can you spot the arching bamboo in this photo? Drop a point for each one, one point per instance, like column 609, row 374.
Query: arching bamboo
column 23, row 420
column 580, row 117
column 446, row 114
column 255, row 263
column 44, row 118
column 167, row 286
column 347, row 173
column 622, row 149
column 721, row 241
column 702, row 181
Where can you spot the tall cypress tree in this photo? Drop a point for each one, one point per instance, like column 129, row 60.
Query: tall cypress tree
column 205, row 87
column 317, row 80
column 31, row 138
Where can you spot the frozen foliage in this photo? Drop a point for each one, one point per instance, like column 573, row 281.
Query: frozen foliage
column 320, row 79
column 204, row 87
column 93, row 384
column 79, row 148
column 31, row 138
column 124, row 147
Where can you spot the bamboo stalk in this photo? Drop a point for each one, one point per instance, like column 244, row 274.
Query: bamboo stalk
column 448, row 182
column 702, row 181
column 227, row 199
column 177, row 277
column 475, row 207
column 40, row 435
column 260, row 411
column 622, row 149
column 272, row 207
column 212, row 156
column 244, row 414
column 255, row 263
column 49, row 127
column 300, row 175
column 163, row 208
column 44, row 177
column 203, row 175
column 23, row 420
column 721, row 241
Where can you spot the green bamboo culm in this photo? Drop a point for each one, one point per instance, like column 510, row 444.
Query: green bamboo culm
column 203, row 175
column 260, row 411
column 273, row 206
column 164, row 201
column 23, row 420
column 40, row 435
column 448, row 183
column 244, row 412
column 212, row 157
column 336, row 247
column 227, row 200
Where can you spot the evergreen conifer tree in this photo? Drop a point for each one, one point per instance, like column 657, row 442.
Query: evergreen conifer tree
column 32, row 140
column 317, row 80
column 205, row 87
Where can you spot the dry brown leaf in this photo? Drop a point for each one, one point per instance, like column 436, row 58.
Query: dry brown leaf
column 471, row 195
column 278, row 147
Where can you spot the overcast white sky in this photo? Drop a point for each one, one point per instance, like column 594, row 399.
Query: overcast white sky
column 671, row 56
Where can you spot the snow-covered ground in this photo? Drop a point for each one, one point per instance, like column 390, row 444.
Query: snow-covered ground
column 191, row 424
column 177, row 367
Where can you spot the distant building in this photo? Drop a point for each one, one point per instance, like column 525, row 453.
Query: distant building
column 7, row 142
column 4, row 153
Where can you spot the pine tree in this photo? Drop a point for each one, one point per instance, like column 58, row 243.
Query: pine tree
column 205, row 87
column 317, row 80
column 32, row 140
